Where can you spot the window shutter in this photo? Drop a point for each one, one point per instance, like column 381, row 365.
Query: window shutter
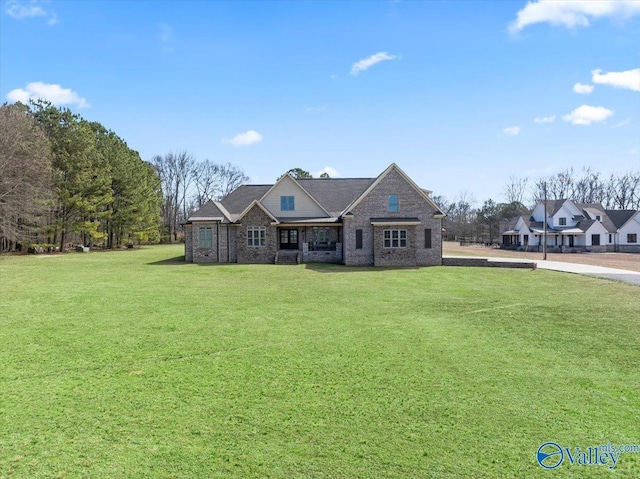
column 427, row 238
column 358, row 239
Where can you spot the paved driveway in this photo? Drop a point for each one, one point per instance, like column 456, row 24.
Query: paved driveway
column 632, row 277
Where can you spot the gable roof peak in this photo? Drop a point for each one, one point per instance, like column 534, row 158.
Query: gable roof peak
column 381, row 176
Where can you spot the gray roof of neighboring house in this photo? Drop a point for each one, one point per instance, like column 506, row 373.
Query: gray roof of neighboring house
column 584, row 225
column 553, row 206
column 620, row 217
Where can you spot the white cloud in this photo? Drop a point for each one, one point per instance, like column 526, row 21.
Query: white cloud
column 366, row 63
column 332, row 172
column 545, row 119
column 572, row 13
column 585, row 115
column 622, row 123
column 47, row 91
column 21, row 10
column 511, row 130
column 244, row 139
column 582, row 89
column 629, row 79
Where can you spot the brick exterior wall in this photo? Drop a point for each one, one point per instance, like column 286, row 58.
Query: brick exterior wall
column 252, row 254
column 200, row 254
column 395, row 256
column 375, row 205
column 221, row 249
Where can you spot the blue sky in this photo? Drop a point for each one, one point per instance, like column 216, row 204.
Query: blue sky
column 461, row 94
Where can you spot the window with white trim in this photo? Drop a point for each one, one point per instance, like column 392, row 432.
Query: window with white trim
column 395, row 238
column 256, row 236
column 562, row 221
column 205, row 237
column 632, row 238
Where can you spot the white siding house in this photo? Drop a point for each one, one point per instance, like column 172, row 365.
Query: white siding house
column 574, row 226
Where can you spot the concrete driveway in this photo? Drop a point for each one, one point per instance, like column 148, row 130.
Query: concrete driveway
column 632, row 277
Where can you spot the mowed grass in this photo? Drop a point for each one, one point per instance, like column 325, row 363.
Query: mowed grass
column 134, row 364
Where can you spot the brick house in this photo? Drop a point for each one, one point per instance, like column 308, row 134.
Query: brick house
column 383, row 221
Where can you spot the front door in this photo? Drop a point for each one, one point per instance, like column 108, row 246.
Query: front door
column 288, row 239
column 570, row 241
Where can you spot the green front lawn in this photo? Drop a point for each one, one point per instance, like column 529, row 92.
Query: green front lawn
column 133, row 364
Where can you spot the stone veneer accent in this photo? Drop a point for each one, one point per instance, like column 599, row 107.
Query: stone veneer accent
column 256, row 254
column 375, row 205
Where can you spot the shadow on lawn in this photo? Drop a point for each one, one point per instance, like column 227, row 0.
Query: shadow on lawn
column 340, row 268
column 177, row 261
column 315, row 267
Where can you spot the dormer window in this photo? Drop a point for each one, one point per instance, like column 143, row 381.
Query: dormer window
column 562, row 221
column 393, row 203
column 287, row 203
column 598, row 217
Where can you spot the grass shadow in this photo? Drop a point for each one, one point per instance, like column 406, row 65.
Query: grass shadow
column 340, row 268
column 177, row 261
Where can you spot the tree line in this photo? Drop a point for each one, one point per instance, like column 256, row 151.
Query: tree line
column 64, row 179
column 467, row 222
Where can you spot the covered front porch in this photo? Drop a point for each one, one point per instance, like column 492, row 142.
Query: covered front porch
column 310, row 242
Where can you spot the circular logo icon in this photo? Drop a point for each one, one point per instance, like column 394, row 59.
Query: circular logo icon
column 550, row 455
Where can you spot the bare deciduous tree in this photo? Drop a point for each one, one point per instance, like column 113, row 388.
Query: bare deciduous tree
column 26, row 182
column 515, row 189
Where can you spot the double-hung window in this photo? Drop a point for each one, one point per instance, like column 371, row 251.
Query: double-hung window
column 395, row 238
column 256, row 235
column 205, row 236
column 562, row 221
column 287, row 203
column 632, row 238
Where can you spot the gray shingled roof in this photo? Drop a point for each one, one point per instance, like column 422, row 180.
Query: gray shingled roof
column 584, row 225
column 238, row 200
column 335, row 194
column 620, row 217
column 208, row 210
column 553, row 206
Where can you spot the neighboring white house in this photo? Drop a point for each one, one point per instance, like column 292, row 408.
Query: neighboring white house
column 628, row 234
column 575, row 227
